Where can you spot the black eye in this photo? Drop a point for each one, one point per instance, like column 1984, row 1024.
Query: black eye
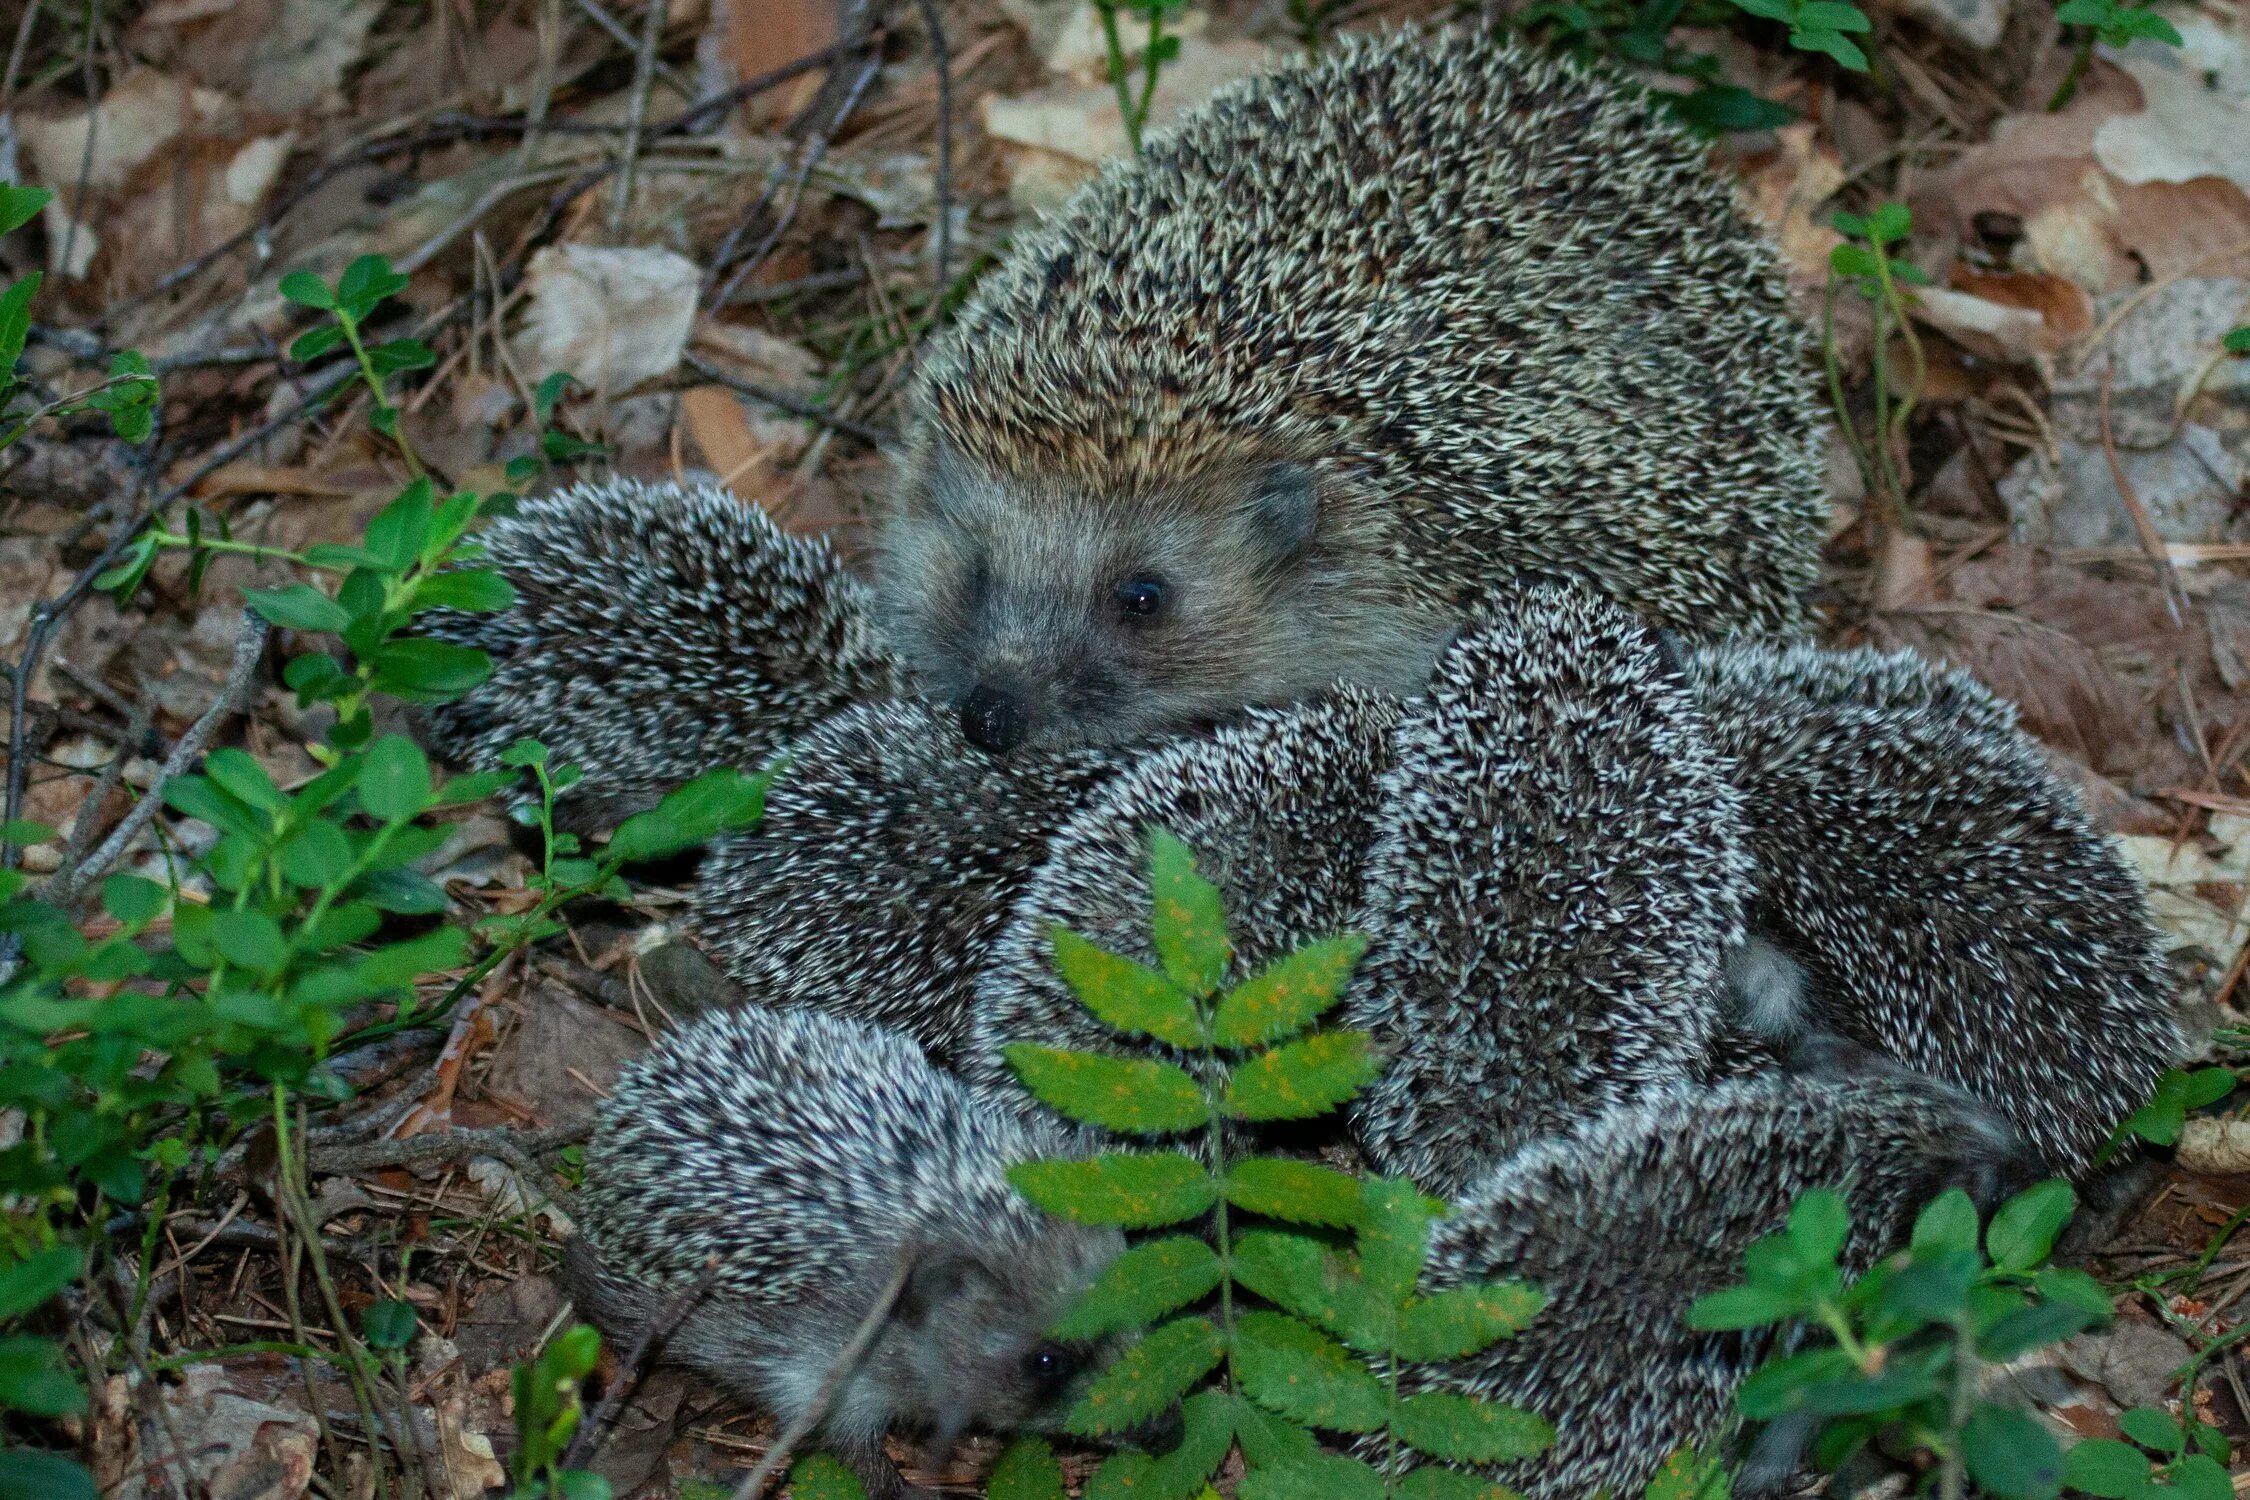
column 1140, row 596
column 1051, row 1363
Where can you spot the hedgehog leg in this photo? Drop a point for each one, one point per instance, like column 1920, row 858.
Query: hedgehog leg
column 1555, row 875
column 1276, row 807
column 884, row 867
column 658, row 632
column 1941, row 890
column 1629, row 1217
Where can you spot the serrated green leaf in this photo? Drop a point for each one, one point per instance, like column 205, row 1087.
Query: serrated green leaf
column 1027, row 1471
column 1188, row 920
column 2024, row 1229
column 1464, row 1320
column 1133, row 1095
column 1290, row 1367
column 1301, row 1192
column 1270, row 1441
column 2011, row 1455
column 1394, row 1236
column 820, row 1476
column 1149, row 1376
column 1129, row 1475
column 298, row 607
column 1302, row 1079
column 1288, row 995
column 1320, row 1477
column 1461, row 1429
column 1206, row 1437
column 1141, row 1286
column 1126, row 996
column 1130, row 1191
column 1303, row 1277
column 1688, row 1475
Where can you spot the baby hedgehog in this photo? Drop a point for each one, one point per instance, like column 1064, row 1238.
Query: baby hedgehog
column 809, row 1160
column 1270, row 404
column 1632, row 1214
column 884, row 867
column 1557, row 868
column 658, row 632
column 1928, row 888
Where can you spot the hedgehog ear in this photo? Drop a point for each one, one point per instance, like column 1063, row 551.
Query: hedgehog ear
column 938, row 1276
column 1283, row 508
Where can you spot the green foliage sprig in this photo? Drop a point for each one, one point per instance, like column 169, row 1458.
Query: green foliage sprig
column 548, row 1412
column 127, row 395
column 1908, row 1340
column 1265, row 1334
column 2113, row 23
column 1825, row 26
column 1134, row 97
column 1866, row 264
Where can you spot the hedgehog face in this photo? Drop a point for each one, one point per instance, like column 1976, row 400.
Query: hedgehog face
column 974, row 1340
column 1052, row 615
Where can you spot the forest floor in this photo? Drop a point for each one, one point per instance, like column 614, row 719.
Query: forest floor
column 722, row 225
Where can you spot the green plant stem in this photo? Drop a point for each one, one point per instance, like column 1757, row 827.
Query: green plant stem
column 374, row 383
column 63, row 406
column 289, row 1256
column 1836, row 399
column 1837, row 1323
column 163, row 538
column 1151, row 63
column 1896, row 301
column 1119, row 72
column 1952, row 1478
column 2081, row 57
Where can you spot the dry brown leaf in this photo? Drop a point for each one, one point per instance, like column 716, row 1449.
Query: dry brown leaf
column 1786, row 192
column 721, row 428
column 2062, row 304
column 2067, row 695
column 1081, row 121
column 745, row 38
column 281, row 57
column 611, row 316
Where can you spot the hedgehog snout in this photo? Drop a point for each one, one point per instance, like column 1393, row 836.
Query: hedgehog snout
column 996, row 716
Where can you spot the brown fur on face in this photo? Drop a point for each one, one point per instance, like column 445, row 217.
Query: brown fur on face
column 1021, row 586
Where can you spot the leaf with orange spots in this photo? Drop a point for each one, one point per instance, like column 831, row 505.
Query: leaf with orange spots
column 1302, row 1079
column 1300, row 1191
column 1188, row 921
column 1126, row 996
column 1132, row 1191
column 1294, row 1369
column 1148, row 1377
column 1289, row 995
column 1135, row 1095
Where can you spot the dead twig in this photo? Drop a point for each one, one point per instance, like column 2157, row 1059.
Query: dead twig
column 783, row 401
column 644, row 73
column 813, row 148
column 942, row 59
column 2144, row 526
column 595, row 1428
column 519, row 1148
column 64, row 890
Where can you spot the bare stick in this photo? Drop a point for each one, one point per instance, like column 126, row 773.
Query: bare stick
column 644, row 73
column 660, row 1328
column 830, row 1383
column 815, row 147
column 940, row 55
column 519, row 1148
column 88, row 821
column 783, row 401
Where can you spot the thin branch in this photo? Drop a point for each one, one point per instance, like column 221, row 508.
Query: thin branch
column 519, row 1148
column 2144, row 525
column 846, row 1360
column 64, row 890
column 595, row 1428
column 644, row 73
column 942, row 58
column 783, row 401
column 813, row 149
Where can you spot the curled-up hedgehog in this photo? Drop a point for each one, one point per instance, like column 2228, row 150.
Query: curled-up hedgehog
column 658, row 632
column 797, row 1168
column 1633, row 1213
column 1929, row 889
column 1267, row 405
column 1278, row 808
column 883, row 869
column 1556, row 872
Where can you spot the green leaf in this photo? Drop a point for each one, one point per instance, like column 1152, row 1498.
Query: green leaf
column 307, row 290
column 2024, row 1229
column 1739, row 1307
column 1148, row 1377
column 249, row 938
column 716, row 802
column 1833, row 44
column 2152, row 1429
column 2206, row 1086
column 2103, row 1466
column 1303, row 1277
column 1394, row 1236
column 1126, row 996
column 1207, row 1435
column 298, row 607
column 1948, row 1223
column 2010, row 1454
column 15, row 323
column 1288, row 995
column 1027, row 1471
column 20, row 205
column 2199, row 1476
column 426, row 671
column 819, row 1476
column 549, row 392
column 1302, row 1079
column 390, row 1324
column 1132, row 1192
column 321, row 339
column 407, row 892
column 134, row 901
column 1890, row 221
column 2237, row 342
column 1818, row 1223
column 32, row 1474
column 2031, row 1328
column 29, row 1283
column 1132, row 1095
column 1688, row 1475
column 33, row 1379
column 317, row 856
column 1456, row 1323
column 401, row 354
column 366, row 282
column 1188, row 921
column 400, row 529
column 1321, row 1476
column 25, row 832
column 394, row 784
column 1270, row 1441
column 1301, row 1192
column 1464, row 1430
column 1142, row 1285
column 470, row 590
column 1296, row 1370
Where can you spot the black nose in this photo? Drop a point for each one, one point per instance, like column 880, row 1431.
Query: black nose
column 994, row 719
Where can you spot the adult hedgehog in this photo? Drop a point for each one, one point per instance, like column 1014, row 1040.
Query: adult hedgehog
column 1275, row 403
